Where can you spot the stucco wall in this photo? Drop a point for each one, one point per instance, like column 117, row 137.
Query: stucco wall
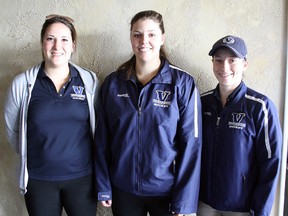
column 103, row 43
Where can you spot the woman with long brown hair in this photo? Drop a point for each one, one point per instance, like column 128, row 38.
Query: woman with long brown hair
column 148, row 136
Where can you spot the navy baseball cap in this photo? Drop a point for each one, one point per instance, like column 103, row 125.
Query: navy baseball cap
column 235, row 44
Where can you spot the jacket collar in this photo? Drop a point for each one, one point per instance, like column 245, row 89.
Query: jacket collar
column 163, row 76
column 89, row 78
column 236, row 95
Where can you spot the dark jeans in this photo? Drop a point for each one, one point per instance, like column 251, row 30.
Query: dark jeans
column 48, row 198
column 126, row 204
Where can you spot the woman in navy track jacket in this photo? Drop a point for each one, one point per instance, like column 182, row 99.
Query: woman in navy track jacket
column 242, row 140
column 148, row 139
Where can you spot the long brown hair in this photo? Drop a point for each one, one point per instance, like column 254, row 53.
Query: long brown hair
column 129, row 65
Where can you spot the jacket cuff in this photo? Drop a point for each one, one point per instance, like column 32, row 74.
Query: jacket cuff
column 104, row 196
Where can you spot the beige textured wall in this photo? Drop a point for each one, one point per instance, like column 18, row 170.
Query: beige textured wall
column 103, row 29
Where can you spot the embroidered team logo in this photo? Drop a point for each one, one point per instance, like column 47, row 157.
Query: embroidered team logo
column 237, row 121
column 125, row 95
column 163, row 99
column 229, row 40
column 78, row 93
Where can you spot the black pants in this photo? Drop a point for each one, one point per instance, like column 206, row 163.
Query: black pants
column 48, row 198
column 125, row 204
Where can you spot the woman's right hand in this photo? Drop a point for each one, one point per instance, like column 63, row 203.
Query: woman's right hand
column 106, row 203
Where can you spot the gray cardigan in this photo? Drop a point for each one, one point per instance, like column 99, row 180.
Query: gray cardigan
column 16, row 109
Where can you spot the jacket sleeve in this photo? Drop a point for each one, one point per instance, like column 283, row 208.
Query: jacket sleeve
column 268, row 153
column 12, row 107
column 102, row 156
column 189, row 137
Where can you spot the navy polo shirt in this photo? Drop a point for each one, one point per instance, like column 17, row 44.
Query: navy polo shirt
column 59, row 135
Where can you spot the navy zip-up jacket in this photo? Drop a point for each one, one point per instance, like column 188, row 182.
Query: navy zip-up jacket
column 241, row 152
column 148, row 141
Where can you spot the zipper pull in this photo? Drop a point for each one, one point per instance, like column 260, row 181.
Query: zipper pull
column 174, row 166
column 139, row 111
column 243, row 178
column 218, row 121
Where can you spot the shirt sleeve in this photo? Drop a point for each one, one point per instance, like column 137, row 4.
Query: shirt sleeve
column 268, row 153
column 12, row 106
column 102, row 155
column 189, row 135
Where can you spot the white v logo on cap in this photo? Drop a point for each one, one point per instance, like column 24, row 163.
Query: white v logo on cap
column 229, row 40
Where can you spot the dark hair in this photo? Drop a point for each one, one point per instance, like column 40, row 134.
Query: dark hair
column 129, row 65
column 54, row 18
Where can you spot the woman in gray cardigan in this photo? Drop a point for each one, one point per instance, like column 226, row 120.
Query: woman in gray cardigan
column 50, row 121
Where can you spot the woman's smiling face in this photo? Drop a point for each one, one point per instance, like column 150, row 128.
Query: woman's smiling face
column 228, row 68
column 146, row 40
column 57, row 44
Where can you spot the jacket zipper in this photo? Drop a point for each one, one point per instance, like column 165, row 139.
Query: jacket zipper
column 214, row 153
column 139, row 150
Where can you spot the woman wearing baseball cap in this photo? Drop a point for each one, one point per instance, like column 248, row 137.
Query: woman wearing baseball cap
column 241, row 140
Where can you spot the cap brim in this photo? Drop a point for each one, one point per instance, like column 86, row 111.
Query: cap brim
column 214, row 49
